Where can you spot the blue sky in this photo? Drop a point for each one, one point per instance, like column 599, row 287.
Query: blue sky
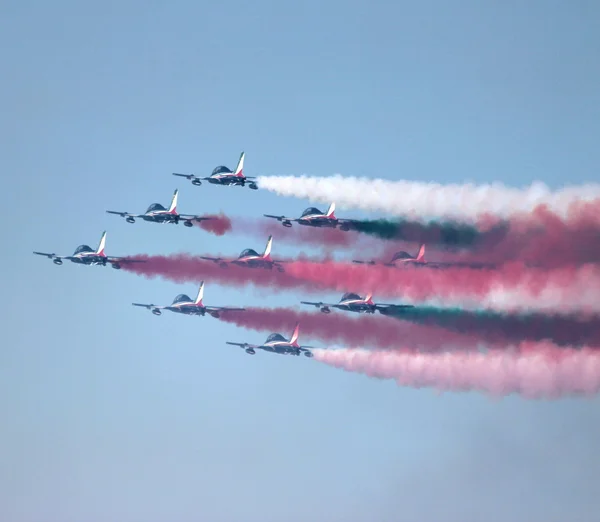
column 111, row 413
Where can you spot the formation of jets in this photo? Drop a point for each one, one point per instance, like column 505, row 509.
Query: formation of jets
column 249, row 258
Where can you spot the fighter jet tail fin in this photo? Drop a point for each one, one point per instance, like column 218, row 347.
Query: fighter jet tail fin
column 239, row 170
column 294, row 338
column 330, row 212
column 173, row 207
column 200, row 294
column 101, row 245
column 267, row 253
column 421, row 255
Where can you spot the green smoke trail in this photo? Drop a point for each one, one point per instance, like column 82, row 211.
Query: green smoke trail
column 565, row 330
column 444, row 233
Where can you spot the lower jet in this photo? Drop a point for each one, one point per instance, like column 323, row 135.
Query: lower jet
column 84, row 255
column 355, row 303
column 276, row 343
column 221, row 175
column 251, row 259
column 156, row 213
column 183, row 304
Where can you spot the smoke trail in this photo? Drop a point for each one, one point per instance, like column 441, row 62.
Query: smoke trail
column 217, row 224
column 545, row 239
column 183, row 268
column 504, row 329
column 432, row 233
column 415, row 200
column 513, row 288
column 376, row 332
column 533, row 371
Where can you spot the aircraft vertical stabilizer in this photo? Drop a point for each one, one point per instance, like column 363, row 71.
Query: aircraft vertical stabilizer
column 101, row 245
column 421, row 254
column 330, row 212
column 239, row 170
column 294, row 338
column 267, row 254
column 200, row 294
column 173, row 207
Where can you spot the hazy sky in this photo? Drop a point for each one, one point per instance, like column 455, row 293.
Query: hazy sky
column 111, row 413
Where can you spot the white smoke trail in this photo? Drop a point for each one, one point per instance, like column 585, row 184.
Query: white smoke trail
column 541, row 370
column 421, row 201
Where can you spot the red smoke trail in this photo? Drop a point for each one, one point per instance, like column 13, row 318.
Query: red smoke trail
column 217, row 224
column 536, row 371
column 378, row 332
column 542, row 238
column 513, row 287
column 182, row 268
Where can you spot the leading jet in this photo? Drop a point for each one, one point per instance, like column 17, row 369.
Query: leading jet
column 351, row 302
column 84, row 255
column 156, row 213
column 404, row 259
column 183, row 304
column 221, row 175
column 276, row 343
column 251, row 259
column 313, row 217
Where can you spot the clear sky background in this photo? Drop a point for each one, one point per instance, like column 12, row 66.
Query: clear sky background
column 110, row 413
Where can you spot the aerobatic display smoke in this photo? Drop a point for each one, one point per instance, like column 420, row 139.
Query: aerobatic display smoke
column 511, row 288
column 493, row 327
column 217, row 224
column 366, row 233
column 378, row 332
column 417, row 200
column 546, row 240
column 535, row 371
column 185, row 268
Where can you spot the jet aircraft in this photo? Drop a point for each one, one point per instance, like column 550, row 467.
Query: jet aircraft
column 402, row 259
column 156, row 213
column 85, row 255
column 399, row 259
column 351, row 302
column 251, row 259
column 313, row 217
column 221, row 175
column 276, row 343
column 185, row 305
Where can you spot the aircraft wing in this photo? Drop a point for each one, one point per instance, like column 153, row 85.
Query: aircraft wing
column 192, row 217
column 124, row 214
column 215, row 259
column 190, row 176
column 53, row 256
column 243, row 345
column 223, row 309
column 317, row 304
column 149, row 306
column 280, row 218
